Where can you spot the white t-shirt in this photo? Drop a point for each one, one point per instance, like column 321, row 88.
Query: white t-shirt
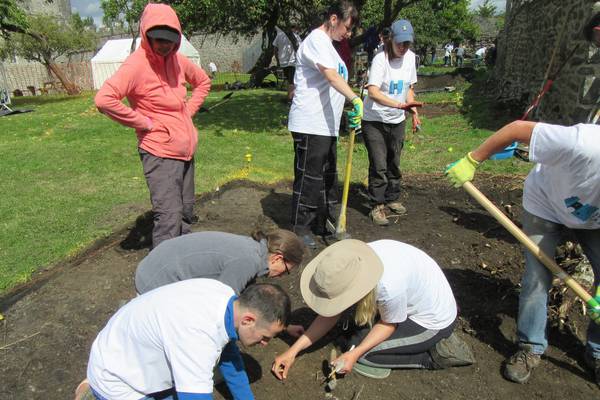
column 393, row 78
column 285, row 49
column 448, row 49
column 480, row 52
column 169, row 336
column 317, row 107
column 412, row 286
column 212, row 66
column 564, row 186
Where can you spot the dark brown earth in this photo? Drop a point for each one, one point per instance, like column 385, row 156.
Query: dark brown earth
column 59, row 314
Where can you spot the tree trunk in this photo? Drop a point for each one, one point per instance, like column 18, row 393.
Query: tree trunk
column 70, row 87
column 260, row 70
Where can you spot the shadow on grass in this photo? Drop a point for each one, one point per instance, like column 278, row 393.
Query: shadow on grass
column 140, row 236
column 247, row 110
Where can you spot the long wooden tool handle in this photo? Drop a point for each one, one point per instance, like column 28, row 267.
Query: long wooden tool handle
column 528, row 243
column 341, row 227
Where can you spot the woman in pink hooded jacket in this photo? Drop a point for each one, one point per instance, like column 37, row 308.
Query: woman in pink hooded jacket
column 153, row 80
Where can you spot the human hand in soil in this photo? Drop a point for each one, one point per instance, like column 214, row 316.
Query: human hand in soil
column 462, row 171
column 348, row 359
column 295, row 330
column 282, row 365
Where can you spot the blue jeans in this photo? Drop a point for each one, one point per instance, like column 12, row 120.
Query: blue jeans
column 537, row 281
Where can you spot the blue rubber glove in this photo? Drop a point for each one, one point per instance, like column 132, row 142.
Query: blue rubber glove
column 594, row 309
column 355, row 116
column 462, row 171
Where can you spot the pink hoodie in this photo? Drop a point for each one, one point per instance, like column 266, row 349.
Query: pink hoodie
column 160, row 113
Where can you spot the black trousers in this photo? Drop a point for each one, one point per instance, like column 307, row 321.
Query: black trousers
column 384, row 144
column 171, row 185
column 315, row 193
column 408, row 347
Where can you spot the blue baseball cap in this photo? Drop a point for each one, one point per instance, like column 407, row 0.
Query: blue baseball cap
column 403, row 31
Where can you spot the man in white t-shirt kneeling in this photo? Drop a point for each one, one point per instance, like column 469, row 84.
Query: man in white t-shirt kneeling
column 165, row 343
column 561, row 192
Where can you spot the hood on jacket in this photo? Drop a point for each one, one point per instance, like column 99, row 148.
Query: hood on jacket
column 158, row 15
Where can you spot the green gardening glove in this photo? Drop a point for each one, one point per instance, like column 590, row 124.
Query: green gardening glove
column 462, row 171
column 594, row 307
column 355, row 116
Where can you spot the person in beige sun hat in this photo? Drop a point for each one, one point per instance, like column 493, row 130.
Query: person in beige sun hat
column 405, row 310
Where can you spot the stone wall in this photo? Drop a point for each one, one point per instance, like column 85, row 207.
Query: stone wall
column 227, row 52
column 34, row 75
column 534, row 30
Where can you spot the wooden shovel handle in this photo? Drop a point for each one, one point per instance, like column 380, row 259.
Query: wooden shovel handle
column 528, row 243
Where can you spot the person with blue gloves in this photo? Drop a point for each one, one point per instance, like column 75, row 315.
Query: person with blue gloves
column 562, row 191
column 314, row 121
column 392, row 76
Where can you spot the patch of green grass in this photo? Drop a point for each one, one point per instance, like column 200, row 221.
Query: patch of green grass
column 71, row 175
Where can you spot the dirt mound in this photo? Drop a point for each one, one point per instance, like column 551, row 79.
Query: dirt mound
column 60, row 318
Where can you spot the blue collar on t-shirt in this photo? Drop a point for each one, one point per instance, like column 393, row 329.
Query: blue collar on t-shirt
column 229, row 324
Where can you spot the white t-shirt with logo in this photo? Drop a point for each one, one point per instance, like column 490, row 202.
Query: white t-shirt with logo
column 316, row 107
column 412, row 286
column 285, row 50
column 172, row 335
column 564, row 186
column 393, row 78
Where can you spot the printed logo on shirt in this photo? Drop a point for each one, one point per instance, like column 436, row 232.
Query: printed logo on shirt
column 343, row 71
column 396, row 87
column 582, row 211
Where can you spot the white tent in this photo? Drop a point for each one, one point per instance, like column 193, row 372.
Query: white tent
column 110, row 57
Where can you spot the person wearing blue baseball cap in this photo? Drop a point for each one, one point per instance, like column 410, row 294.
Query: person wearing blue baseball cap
column 390, row 93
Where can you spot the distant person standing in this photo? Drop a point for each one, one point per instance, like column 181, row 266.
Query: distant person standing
column 460, row 55
column 479, row 56
column 153, row 80
column 285, row 53
column 212, row 68
column 314, row 121
column 448, row 48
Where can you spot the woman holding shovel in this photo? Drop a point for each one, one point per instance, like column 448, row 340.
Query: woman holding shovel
column 391, row 78
column 400, row 283
column 561, row 192
column 314, row 121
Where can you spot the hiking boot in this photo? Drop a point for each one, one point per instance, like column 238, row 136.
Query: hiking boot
column 594, row 364
column 396, row 207
column 519, row 366
column 371, row 372
column 451, row 352
column 377, row 215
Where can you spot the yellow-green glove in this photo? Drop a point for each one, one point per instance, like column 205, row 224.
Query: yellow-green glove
column 594, row 307
column 462, row 171
column 355, row 116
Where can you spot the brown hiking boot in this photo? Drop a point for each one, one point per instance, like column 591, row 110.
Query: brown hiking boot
column 519, row 366
column 377, row 215
column 396, row 207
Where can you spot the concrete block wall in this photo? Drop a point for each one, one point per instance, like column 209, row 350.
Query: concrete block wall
column 533, row 30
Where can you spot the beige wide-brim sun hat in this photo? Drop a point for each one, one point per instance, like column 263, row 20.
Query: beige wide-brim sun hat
column 340, row 276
